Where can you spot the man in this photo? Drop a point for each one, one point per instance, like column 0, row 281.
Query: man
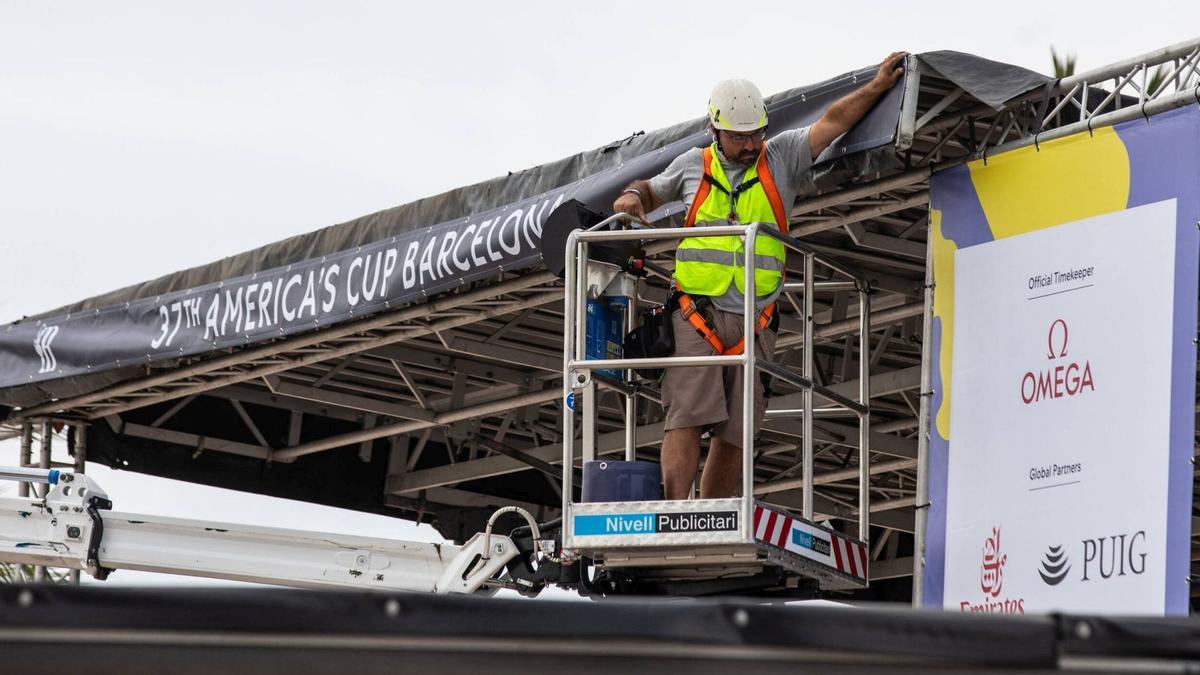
column 739, row 178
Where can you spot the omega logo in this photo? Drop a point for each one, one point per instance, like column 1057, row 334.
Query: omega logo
column 1063, row 378
column 1050, row 340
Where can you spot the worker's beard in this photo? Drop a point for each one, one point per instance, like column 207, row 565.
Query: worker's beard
column 747, row 157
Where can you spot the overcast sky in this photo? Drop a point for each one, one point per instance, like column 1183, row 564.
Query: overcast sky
column 140, row 138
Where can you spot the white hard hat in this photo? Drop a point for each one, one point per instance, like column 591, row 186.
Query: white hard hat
column 737, row 105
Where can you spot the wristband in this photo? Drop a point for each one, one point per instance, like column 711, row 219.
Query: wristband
column 632, row 190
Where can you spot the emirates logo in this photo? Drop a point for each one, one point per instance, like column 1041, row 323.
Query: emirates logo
column 991, row 575
column 991, row 582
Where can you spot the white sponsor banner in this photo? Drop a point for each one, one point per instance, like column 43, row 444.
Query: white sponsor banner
column 1060, row 401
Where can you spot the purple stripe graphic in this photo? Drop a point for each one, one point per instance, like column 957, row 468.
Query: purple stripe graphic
column 1164, row 163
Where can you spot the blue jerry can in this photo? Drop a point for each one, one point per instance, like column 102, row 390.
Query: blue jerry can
column 621, row 481
column 605, row 331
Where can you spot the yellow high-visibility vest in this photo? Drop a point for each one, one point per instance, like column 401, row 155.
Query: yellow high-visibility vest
column 707, row 265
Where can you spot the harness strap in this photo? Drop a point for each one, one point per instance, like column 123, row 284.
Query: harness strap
column 703, row 190
column 708, row 178
column 690, row 311
column 768, row 183
column 708, row 182
column 743, row 186
column 737, row 191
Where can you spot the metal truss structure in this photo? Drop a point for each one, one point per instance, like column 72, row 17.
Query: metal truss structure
column 459, row 398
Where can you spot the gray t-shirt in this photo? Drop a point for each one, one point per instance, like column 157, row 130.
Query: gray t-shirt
column 788, row 156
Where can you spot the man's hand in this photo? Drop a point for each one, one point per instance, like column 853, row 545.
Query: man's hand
column 889, row 72
column 630, row 203
column 848, row 110
column 637, row 205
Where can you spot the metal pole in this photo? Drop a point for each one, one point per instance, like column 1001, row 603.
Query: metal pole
column 39, row 572
column 748, row 376
column 871, row 189
column 30, row 475
column 860, row 214
column 26, row 458
column 80, row 447
column 44, row 456
column 808, row 354
column 630, row 397
column 908, row 104
column 822, row 286
column 588, row 393
column 1159, row 105
column 568, row 443
column 836, row 329
column 80, row 464
column 660, row 233
column 864, row 418
column 663, row 362
column 923, row 434
column 384, row 430
column 1177, row 50
column 579, row 332
column 836, row 476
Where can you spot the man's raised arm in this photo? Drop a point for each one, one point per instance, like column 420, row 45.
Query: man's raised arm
column 848, row 110
column 637, row 200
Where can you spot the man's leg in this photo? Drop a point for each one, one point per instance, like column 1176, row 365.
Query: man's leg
column 693, row 399
column 680, row 457
column 722, row 470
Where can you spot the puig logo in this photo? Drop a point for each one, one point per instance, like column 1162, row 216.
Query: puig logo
column 1067, row 377
column 41, row 345
column 1125, row 554
column 1115, row 555
column 1055, row 566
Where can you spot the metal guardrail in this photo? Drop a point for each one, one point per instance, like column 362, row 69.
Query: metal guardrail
column 1128, row 90
column 577, row 368
column 1140, row 86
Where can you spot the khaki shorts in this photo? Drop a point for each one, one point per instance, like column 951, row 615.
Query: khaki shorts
column 711, row 396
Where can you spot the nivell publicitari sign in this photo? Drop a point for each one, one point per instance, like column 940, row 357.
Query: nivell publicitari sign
column 1064, row 374
column 651, row 523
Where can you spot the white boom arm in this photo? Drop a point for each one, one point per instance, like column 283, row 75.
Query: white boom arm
column 71, row 527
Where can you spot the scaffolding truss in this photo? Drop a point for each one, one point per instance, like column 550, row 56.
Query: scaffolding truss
column 461, row 395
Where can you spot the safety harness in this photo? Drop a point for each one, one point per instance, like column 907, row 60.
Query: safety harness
column 693, row 310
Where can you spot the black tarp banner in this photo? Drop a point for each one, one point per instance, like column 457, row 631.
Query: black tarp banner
column 306, row 295
column 363, row 280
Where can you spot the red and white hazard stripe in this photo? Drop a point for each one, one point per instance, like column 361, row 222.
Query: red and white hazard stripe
column 775, row 528
column 771, row 526
column 849, row 556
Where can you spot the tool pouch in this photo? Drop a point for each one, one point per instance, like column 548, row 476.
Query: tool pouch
column 654, row 338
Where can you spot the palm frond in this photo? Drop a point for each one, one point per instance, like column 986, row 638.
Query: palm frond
column 1064, row 65
column 1158, row 78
